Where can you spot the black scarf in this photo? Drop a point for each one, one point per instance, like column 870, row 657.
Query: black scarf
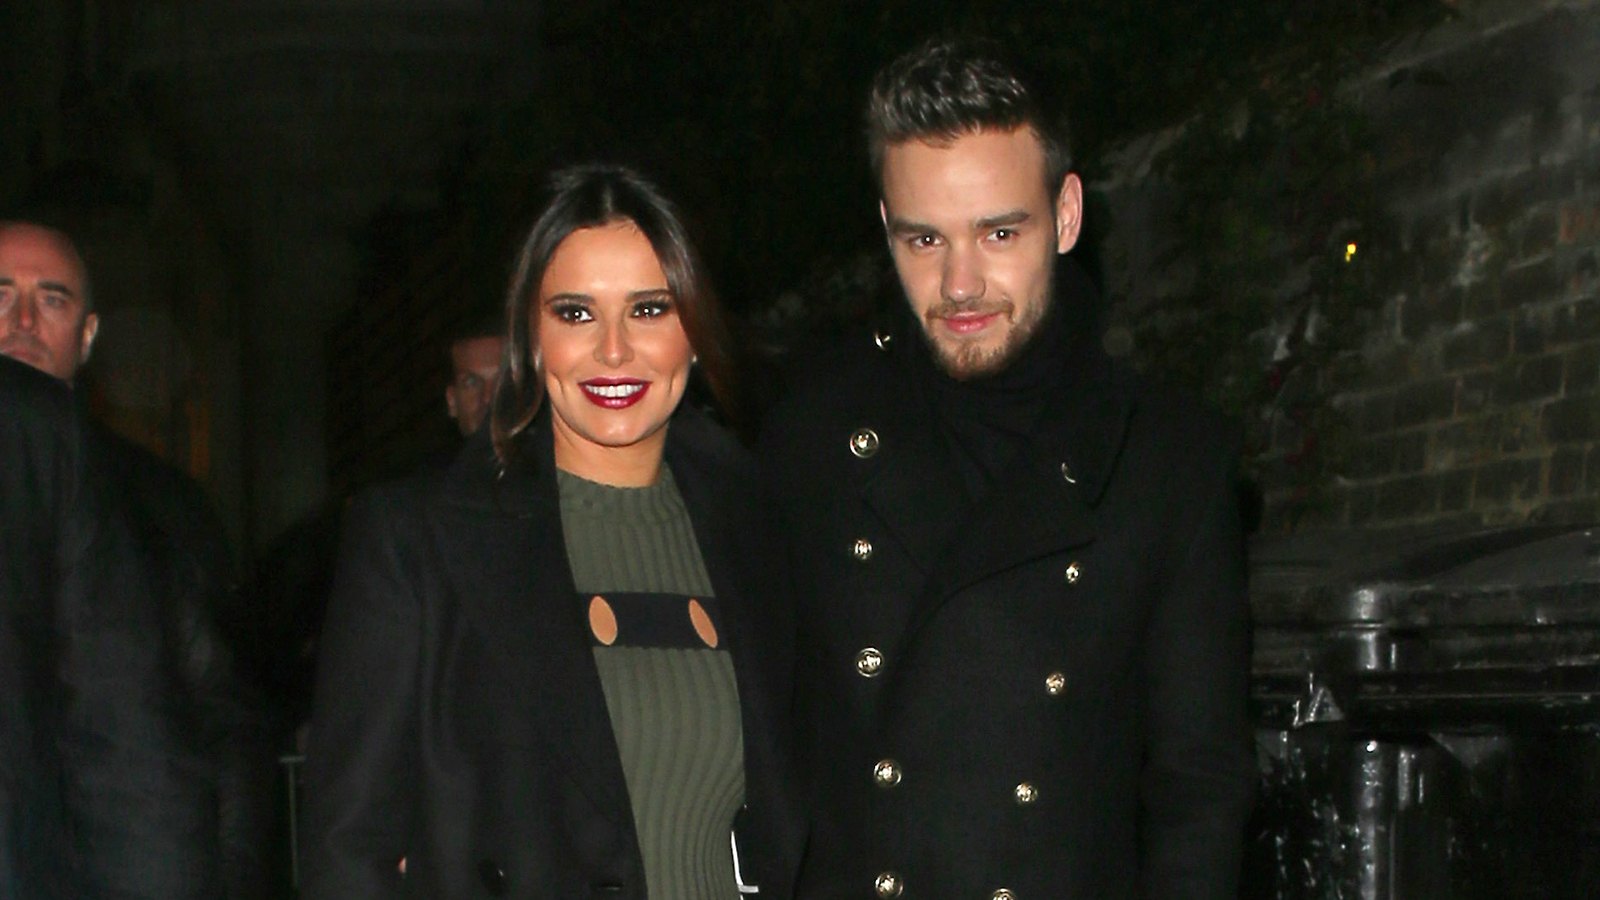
column 985, row 422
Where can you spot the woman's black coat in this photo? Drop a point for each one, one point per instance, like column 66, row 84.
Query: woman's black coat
column 460, row 721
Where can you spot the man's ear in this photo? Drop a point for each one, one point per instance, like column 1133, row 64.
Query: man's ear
column 91, row 327
column 1069, row 213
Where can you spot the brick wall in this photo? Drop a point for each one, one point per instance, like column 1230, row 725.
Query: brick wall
column 1474, row 396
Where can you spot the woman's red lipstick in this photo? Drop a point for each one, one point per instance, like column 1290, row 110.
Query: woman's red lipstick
column 614, row 393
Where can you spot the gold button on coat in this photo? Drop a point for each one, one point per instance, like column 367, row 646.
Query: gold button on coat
column 888, row 884
column 882, row 339
column 862, row 550
column 864, row 442
column 1025, row 793
column 1066, row 474
column 1003, row 894
column 1073, row 573
column 886, row 773
column 869, row 661
column 1055, row 683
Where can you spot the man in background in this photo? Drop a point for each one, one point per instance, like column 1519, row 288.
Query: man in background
column 220, row 756
column 98, row 796
column 474, row 351
column 46, row 318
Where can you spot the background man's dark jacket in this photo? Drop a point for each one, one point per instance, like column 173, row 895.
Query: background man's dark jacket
column 97, row 781
column 459, row 719
column 38, row 489
column 1054, row 698
column 185, row 547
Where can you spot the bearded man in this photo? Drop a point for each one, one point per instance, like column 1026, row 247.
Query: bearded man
column 1023, row 639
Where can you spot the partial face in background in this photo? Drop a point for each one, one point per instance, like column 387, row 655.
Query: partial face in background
column 44, row 320
column 974, row 230
column 613, row 352
column 474, row 369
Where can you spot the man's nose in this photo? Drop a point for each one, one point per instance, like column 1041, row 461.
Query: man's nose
column 962, row 278
column 614, row 348
column 24, row 314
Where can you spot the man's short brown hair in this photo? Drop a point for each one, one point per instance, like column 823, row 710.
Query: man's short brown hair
column 950, row 87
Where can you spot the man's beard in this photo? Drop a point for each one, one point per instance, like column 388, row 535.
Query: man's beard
column 964, row 360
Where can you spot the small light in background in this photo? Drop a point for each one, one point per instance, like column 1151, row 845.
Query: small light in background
column 1349, row 251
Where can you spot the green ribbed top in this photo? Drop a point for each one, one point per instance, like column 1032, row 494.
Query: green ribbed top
column 674, row 710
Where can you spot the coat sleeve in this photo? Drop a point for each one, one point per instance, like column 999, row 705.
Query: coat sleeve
column 139, row 805
column 1198, row 777
column 359, row 806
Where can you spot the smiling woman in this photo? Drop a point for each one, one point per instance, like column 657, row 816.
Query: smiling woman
column 551, row 670
column 614, row 354
column 606, row 230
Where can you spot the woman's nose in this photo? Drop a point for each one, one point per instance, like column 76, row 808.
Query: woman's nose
column 614, row 348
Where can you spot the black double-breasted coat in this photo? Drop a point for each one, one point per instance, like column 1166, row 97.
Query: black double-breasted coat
column 459, row 721
column 1040, row 695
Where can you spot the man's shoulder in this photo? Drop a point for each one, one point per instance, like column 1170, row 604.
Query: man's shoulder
column 1182, row 411
column 160, row 495
column 40, row 441
column 828, row 376
column 31, row 397
column 1177, row 425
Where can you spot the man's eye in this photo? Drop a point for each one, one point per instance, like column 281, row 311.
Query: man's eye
column 55, row 301
column 572, row 313
column 924, row 241
column 1003, row 234
column 471, row 382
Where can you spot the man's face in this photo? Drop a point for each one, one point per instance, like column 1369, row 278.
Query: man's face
column 474, row 369
column 974, row 233
column 42, row 305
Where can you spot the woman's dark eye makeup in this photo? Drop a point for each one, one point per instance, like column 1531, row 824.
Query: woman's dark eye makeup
column 570, row 311
column 651, row 307
column 576, row 311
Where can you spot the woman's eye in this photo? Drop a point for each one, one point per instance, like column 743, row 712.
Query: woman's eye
column 649, row 309
column 571, row 312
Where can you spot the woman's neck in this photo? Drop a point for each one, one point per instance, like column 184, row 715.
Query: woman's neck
column 636, row 465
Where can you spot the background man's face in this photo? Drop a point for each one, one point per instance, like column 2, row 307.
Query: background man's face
column 475, row 367
column 42, row 304
column 974, row 233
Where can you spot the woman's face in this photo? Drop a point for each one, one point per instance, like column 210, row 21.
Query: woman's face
column 614, row 353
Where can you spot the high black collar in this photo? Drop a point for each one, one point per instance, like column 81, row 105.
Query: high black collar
column 1089, row 398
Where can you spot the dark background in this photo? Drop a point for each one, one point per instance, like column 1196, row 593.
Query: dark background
column 286, row 204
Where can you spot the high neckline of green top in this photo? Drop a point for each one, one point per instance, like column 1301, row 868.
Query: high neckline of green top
column 651, row 502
